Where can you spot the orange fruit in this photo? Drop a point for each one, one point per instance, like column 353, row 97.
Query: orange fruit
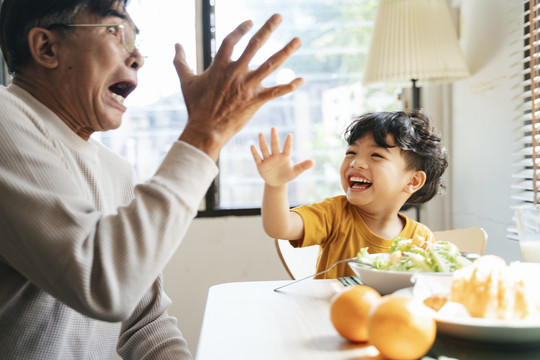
column 349, row 311
column 401, row 327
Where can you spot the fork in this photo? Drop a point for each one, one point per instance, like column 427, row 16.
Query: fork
column 351, row 260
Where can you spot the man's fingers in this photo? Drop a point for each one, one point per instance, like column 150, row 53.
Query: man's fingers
column 182, row 68
column 224, row 52
column 258, row 40
column 275, row 61
column 279, row 90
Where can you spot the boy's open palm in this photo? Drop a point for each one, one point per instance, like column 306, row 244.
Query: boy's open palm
column 275, row 166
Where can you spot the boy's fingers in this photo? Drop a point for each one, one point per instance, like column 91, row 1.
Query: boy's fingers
column 287, row 146
column 274, row 141
column 256, row 155
column 264, row 146
column 303, row 166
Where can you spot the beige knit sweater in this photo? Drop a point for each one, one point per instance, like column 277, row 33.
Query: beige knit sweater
column 82, row 247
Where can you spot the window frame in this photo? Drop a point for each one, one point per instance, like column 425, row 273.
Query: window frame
column 3, row 72
column 211, row 199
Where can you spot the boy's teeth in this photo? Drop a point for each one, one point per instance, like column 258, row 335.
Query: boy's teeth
column 357, row 179
column 118, row 98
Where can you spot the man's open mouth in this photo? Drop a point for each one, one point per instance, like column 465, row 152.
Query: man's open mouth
column 356, row 182
column 121, row 90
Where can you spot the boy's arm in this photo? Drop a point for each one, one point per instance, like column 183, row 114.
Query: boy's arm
column 277, row 169
column 278, row 221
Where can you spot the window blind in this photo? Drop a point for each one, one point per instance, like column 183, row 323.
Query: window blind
column 526, row 178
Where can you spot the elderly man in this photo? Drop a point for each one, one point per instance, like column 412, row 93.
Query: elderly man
column 82, row 246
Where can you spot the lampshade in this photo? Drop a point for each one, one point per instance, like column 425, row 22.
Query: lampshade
column 414, row 39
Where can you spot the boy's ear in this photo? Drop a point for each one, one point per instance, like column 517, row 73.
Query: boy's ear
column 416, row 181
column 43, row 47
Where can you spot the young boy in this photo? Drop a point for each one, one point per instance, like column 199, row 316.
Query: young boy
column 392, row 158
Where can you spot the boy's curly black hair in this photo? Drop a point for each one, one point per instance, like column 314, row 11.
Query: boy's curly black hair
column 415, row 135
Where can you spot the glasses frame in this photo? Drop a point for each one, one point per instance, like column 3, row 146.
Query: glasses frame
column 126, row 30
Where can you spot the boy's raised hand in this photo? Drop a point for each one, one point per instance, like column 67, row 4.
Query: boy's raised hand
column 275, row 167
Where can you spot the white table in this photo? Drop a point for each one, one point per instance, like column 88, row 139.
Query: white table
column 249, row 321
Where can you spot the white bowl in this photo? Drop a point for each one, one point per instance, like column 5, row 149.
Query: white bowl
column 386, row 281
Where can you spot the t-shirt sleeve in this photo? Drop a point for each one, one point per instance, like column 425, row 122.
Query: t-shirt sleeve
column 318, row 219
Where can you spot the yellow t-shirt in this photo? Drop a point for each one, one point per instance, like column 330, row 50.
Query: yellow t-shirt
column 338, row 228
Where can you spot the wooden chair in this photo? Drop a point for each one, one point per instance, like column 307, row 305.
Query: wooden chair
column 472, row 239
column 301, row 262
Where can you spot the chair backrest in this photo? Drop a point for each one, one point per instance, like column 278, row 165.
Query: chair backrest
column 301, row 262
column 473, row 239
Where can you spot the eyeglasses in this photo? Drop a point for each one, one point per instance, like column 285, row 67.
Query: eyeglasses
column 125, row 32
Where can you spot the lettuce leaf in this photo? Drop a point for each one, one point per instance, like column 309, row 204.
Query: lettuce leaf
column 442, row 256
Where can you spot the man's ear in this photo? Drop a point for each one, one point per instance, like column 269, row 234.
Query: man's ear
column 43, row 47
column 416, row 181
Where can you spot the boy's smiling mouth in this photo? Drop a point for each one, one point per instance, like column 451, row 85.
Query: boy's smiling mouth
column 357, row 182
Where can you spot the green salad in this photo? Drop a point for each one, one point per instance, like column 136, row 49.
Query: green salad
column 411, row 256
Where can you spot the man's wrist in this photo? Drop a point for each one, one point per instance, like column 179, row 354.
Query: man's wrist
column 206, row 141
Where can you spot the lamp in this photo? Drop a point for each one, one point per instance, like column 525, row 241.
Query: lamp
column 414, row 41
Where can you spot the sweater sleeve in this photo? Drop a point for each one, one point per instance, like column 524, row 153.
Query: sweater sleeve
column 150, row 333
column 100, row 265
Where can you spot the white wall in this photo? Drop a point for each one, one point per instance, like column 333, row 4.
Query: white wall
column 477, row 117
column 484, row 121
column 216, row 251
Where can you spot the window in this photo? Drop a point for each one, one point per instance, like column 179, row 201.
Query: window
column 335, row 36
